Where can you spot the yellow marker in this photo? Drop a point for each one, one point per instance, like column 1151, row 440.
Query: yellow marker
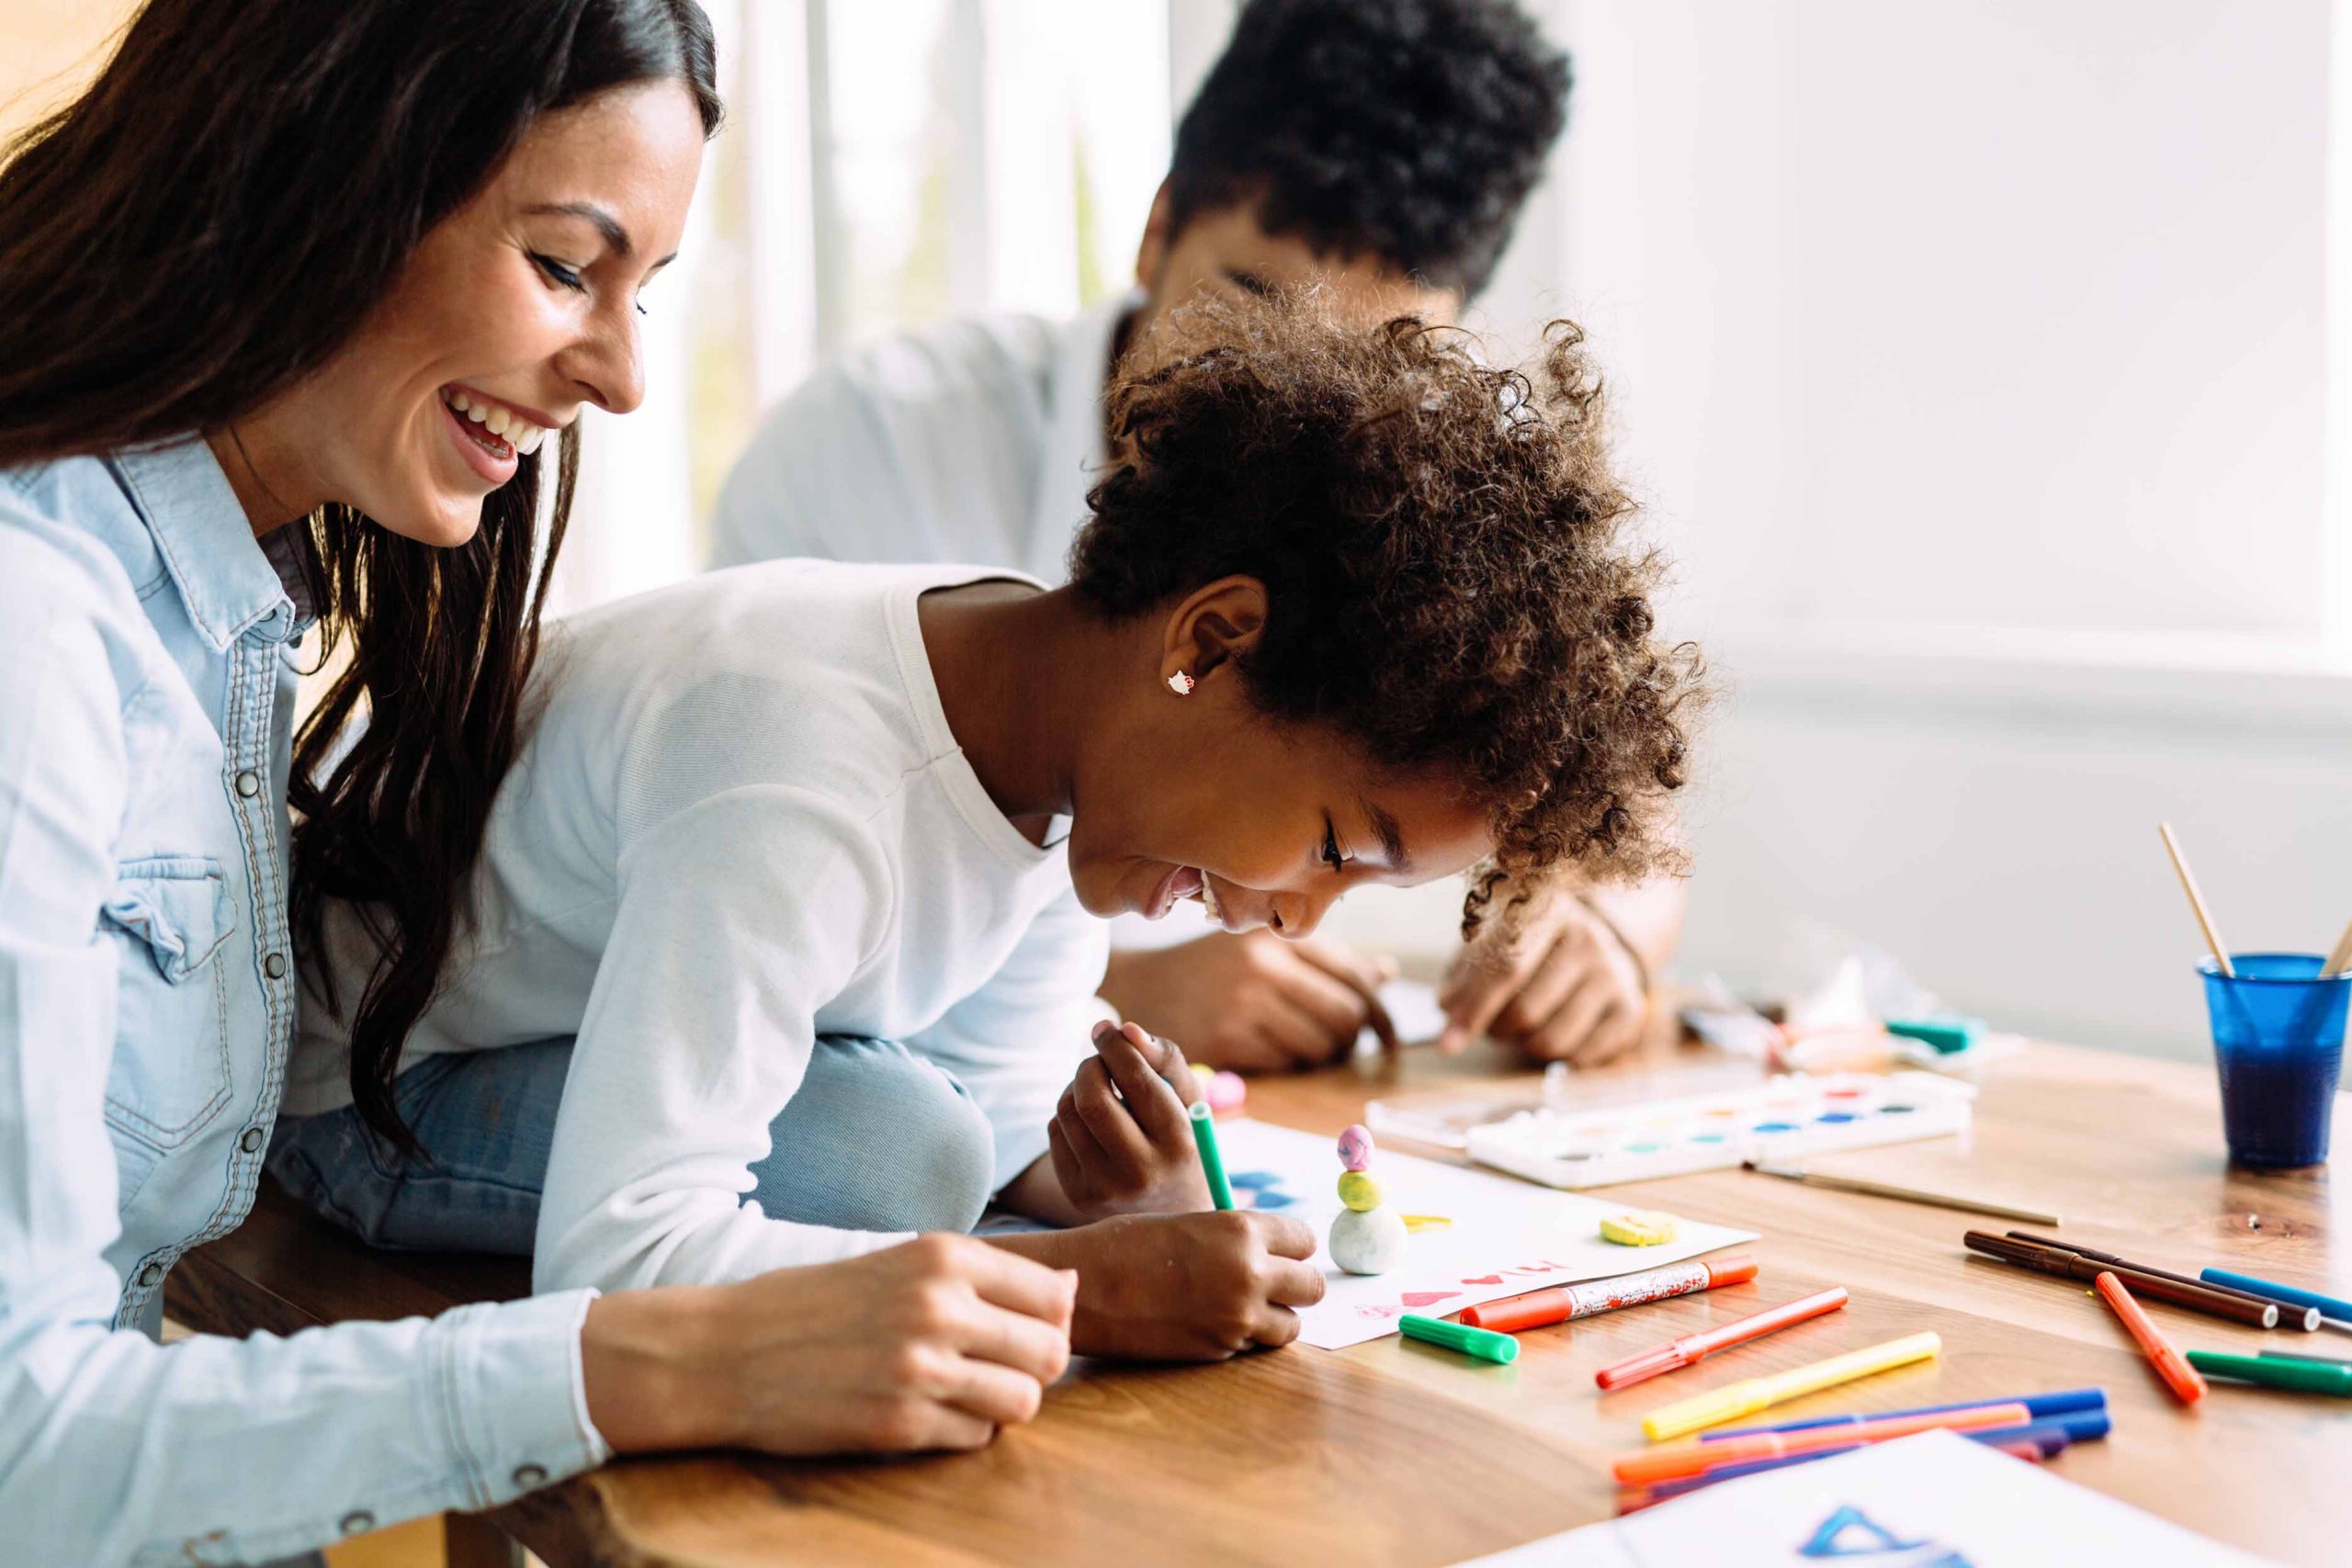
column 1734, row 1400
column 1634, row 1228
column 1416, row 1224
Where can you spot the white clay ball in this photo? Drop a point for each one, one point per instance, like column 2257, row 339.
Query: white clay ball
column 1368, row 1241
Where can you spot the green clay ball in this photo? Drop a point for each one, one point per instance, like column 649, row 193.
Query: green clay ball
column 1359, row 1192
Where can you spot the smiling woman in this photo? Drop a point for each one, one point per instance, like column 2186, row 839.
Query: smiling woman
column 291, row 301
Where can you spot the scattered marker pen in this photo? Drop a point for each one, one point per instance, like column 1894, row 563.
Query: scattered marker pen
column 1563, row 1303
column 2041, row 1407
column 1211, row 1162
column 1693, row 1459
column 1676, row 1354
column 1485, row 1344
column 2329, row 1307
column 2276, row 1371
column 2179, row 1375
column 1744, row 1398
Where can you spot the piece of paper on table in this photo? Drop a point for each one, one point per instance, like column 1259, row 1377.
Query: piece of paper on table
column 1935, row 1500
column 1507, row 1236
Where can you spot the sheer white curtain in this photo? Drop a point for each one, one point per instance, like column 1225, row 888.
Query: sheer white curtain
column 883, row 165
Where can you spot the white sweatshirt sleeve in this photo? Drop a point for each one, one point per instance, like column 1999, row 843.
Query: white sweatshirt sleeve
column 738, row 916
column 821, row 477
column 1015, row 1042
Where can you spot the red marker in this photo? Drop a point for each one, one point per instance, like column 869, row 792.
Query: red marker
column 1679, row 1353
column 1562, row 1303
column 2187, row 1385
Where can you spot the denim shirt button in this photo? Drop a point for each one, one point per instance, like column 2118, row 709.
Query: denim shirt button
column 249, row 783
column 358, row 1522
column 251, row 1141
column 150, row 1276
column 274, row 966
column 529, row 1475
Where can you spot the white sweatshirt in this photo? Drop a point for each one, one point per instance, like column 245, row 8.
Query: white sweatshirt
column 739, row 822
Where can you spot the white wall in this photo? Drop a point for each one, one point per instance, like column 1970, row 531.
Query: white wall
column 1973, row 358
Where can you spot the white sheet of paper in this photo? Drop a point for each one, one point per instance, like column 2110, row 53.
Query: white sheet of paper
column 1508, row 1235
column 1935, row 1500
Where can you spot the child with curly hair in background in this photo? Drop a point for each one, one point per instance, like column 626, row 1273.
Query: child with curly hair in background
column 788, row 929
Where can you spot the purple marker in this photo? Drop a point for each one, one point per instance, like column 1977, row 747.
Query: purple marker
column 2041, row 1407
column 2047, row 1437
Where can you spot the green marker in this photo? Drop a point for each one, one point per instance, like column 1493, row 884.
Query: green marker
column 1946, row 1034
column 1211, row 1162
column 2276, row 1371
column 1483, row 1343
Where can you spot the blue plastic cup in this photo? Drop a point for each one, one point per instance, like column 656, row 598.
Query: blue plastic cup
column 2279, row 1041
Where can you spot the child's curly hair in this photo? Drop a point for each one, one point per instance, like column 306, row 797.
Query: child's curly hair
column 1442, row 547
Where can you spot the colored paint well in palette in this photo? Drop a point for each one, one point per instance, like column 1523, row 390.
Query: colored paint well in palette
column 1783, row 1117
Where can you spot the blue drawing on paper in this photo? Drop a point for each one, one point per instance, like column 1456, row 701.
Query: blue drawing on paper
column 1264, row 1187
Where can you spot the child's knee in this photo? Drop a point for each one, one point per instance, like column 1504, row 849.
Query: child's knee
column 952, row 1163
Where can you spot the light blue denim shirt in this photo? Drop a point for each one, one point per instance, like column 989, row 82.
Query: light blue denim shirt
column 147, row 998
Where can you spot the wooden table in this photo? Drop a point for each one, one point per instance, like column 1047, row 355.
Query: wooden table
column 1397, row 1452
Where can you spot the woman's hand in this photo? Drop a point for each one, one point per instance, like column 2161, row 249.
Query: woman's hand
column 1183, row 1287
column 1567, row 989
column 931, row 1344
column 1121, row 1142
column 1254, row 1002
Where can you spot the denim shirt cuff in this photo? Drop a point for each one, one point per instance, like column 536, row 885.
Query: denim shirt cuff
column 513, row 1397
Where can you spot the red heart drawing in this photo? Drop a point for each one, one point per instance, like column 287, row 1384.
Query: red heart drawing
column 1484, row 1280
column 1423, row 1298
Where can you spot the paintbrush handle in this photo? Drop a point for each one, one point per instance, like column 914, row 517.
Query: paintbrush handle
column 2197, row 902
column 2339, row 956
column 1911, row 1195
column 1919, row 1195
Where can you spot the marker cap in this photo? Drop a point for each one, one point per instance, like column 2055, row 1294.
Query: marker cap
column 1470, row 1341
column 1736, row 1269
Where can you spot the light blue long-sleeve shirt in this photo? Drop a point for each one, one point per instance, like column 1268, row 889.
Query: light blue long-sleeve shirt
column 147, row 999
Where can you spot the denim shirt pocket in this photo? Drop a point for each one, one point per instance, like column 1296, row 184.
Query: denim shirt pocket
column 169, row 915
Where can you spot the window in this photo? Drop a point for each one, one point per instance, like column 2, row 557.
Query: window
column 884, row 166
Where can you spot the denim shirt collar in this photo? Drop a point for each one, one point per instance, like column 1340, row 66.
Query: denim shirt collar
column 228, row 580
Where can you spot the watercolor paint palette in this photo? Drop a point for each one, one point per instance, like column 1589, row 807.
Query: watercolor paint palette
column 1783, row 1119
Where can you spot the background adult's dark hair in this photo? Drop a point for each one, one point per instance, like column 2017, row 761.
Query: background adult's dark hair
column 210, row 222
column 1409, row 130
column 1444, row 548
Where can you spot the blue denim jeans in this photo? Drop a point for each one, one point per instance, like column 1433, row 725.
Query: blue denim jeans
column 877, row 1139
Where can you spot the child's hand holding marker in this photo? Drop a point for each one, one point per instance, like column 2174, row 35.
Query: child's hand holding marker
column 1120, row 1139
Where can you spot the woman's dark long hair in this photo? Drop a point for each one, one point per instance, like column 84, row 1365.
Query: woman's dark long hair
column 208, row 225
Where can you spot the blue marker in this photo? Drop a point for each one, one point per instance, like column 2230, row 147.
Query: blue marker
column 2330, row 1308
column 2041, row 1407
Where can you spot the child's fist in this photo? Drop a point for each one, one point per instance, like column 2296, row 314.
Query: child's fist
column 1120, row 1139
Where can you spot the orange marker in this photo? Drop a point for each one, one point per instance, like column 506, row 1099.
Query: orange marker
column 1653, row 1465
column 2187, row 1385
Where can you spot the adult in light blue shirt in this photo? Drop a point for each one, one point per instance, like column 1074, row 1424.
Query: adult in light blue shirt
column 289, row 302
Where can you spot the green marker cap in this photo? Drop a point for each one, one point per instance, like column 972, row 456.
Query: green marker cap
column 2276, row 1371
column 1483, row 1343
column 1946, row 1034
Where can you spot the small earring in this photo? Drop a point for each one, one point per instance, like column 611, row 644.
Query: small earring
column 1181, row 684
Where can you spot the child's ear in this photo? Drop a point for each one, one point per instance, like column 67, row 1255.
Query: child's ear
column 1212, row 627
